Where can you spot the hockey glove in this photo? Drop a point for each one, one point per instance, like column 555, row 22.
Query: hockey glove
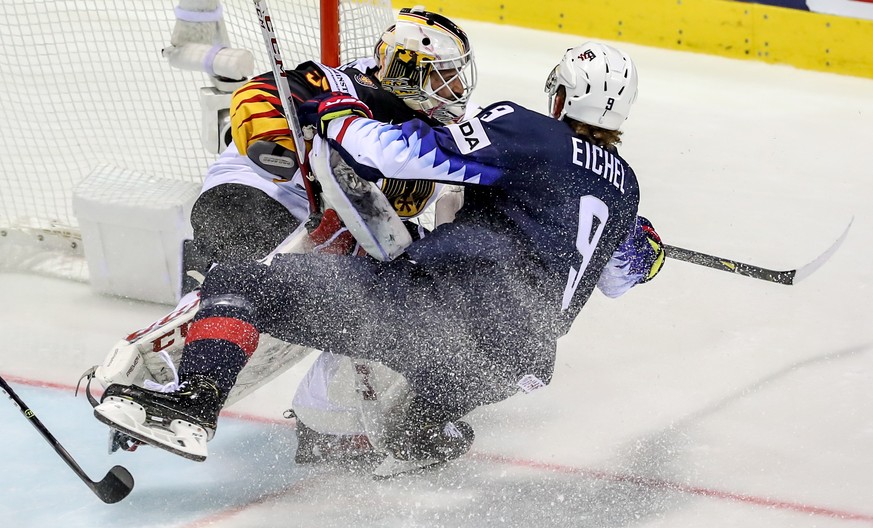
column 636, row 260
column 644, row 251
column 322, row 109
column 331, row 236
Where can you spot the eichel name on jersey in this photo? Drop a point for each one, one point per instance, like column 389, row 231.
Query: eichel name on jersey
column 470, row 137
column 257, row 114
column 567, row 202
column 599, row 161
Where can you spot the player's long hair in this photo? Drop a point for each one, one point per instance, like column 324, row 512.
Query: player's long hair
column 608, row 139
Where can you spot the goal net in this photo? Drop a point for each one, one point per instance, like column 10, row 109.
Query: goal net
column 83, row 83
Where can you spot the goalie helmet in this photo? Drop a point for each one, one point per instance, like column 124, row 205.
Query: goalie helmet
column 426, row 60
column 600, row 83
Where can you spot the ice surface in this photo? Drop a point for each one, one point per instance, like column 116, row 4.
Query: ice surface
column 701, row 399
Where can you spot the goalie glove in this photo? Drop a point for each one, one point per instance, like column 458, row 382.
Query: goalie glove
column 331, row 236
column 322, row 109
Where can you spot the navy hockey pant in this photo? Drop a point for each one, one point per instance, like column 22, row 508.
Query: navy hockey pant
column 463, row 334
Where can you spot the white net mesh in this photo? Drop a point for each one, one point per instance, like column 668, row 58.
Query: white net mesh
column 83, row 83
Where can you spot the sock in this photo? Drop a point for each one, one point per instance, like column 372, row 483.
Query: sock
column 219, row 341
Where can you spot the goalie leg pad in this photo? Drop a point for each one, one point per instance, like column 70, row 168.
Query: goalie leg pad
column 143, row 355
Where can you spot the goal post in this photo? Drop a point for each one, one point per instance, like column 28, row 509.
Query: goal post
column 84, row 87
column 330, row 31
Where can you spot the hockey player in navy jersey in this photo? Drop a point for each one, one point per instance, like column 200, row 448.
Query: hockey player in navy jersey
column 472, row 314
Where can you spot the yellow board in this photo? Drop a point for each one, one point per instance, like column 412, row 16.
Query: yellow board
column 720, row 27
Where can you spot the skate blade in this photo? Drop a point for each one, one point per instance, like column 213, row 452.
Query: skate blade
column 179, row 437
column 392, row 467
column 119, row 441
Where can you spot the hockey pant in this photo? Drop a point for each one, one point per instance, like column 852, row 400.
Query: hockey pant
column 460, row 339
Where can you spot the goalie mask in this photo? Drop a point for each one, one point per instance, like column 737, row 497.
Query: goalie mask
column 600, row 83
column 426, row 60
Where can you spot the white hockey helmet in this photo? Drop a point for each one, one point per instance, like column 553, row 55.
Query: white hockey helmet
column 426, row 60
column 600, row 83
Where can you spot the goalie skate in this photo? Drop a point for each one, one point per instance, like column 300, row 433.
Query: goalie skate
column 119, row 441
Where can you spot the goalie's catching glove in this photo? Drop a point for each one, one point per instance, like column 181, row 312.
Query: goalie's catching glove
column 322, row 109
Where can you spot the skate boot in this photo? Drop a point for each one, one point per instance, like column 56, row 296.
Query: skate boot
column 441, row 442
column 427, row 437
column 180, row 422
column 314, row 447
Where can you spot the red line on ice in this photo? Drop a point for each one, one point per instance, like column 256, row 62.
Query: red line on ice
column 660, row 484
column 646, row 482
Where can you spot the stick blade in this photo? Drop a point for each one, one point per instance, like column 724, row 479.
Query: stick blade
column 808, row 269
column 115, row 486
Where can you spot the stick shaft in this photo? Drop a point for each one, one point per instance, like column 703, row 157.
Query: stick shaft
column 731, row 266
column 114, row 487
column 271, row 42
column 43, row 430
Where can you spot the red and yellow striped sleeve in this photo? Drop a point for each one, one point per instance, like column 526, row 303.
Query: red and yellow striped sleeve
column 256, row 114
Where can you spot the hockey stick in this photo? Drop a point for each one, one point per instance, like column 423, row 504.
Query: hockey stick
column 272, row 45
column 787, row 277
column 115, row 486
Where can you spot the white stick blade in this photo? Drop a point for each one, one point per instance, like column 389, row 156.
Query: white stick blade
column 810, row 268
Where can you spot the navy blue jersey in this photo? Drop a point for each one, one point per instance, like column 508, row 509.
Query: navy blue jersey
column 476, row 313
column 539, row 200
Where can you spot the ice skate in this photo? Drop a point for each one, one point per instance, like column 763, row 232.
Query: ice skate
column 314, row 447
column 119, row 441
column 180, row 422
column 417, row 448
